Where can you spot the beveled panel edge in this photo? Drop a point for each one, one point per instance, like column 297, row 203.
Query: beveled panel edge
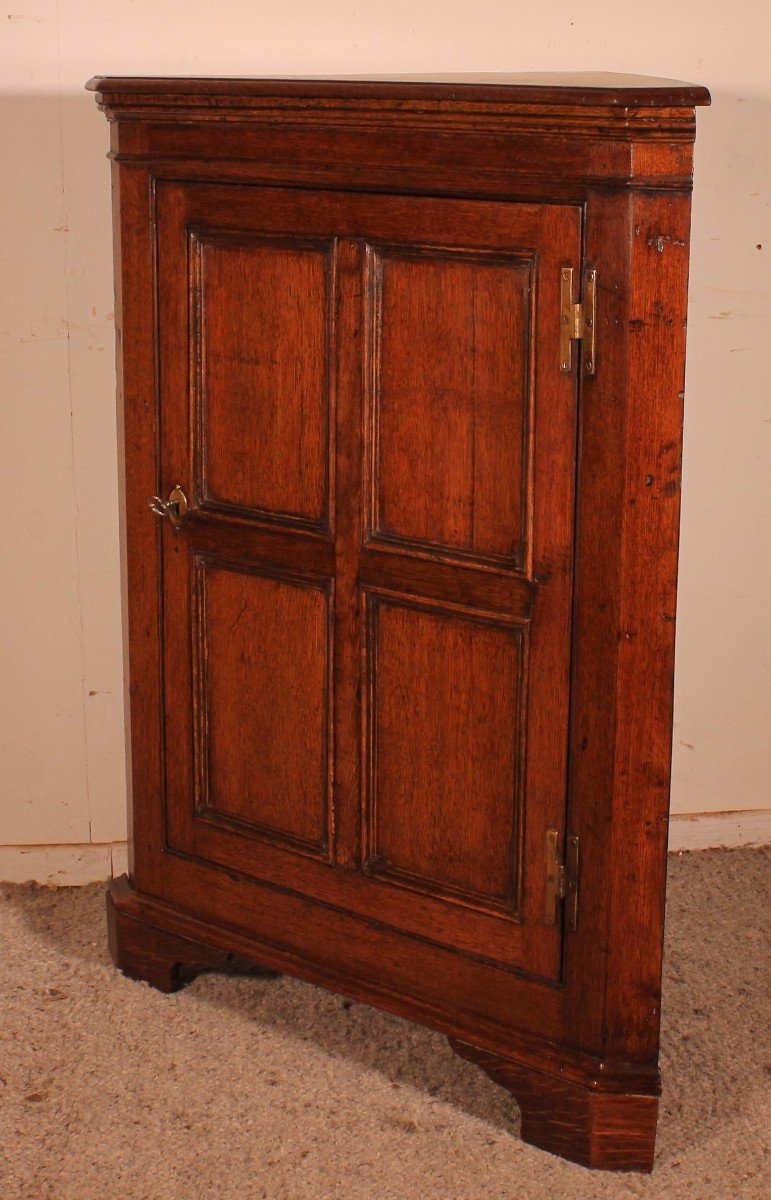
column 201, row 561
column 477, row 613
column 281, row 839
column 447, row 579
column 427, row 885
column 197, row 237
column 446, row 552
column 371, row 597
column 270, row 518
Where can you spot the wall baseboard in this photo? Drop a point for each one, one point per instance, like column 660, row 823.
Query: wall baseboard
column 64, row 865
column 71, row 865
column 708, row 831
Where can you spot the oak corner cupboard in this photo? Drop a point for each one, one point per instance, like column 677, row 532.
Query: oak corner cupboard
column 400, row 370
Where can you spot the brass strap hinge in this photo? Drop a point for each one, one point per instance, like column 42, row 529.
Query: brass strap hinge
column 561, row 880
column 578, row 319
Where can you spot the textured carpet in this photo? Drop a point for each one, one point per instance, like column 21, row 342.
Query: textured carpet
column 275, row 1090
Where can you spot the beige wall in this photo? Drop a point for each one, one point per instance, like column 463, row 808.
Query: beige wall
column 61, row 741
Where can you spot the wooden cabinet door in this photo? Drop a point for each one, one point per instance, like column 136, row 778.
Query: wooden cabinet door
column 366, row 614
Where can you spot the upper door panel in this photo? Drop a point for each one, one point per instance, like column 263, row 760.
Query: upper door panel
column 260, row 341
column 450, row 396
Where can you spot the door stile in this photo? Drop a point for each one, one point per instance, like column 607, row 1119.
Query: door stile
column 554, row 413
column 177, row 294
column 346, row 341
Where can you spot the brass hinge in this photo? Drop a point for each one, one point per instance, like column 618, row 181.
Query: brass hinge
column 561, row 880
column 577, row 319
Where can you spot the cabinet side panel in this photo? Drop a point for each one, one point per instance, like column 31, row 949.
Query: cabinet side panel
column 646, row 636
column 138, row 432
column 628, row 520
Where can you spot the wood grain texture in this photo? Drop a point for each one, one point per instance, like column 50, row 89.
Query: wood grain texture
column 261, row 340
column 510, row 164
column 451, row 380
column 657, row 321
column 629, row 490
column 264, row 701
column 444, row 801
column 497, row 137
column 357, row 385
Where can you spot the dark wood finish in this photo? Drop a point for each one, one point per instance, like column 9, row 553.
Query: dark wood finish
column 606, row 88
column 422, row 608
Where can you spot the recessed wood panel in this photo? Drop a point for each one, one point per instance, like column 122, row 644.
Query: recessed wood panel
column 450, row 382
column 263, row 379
column 444, row 738
column 263, row 687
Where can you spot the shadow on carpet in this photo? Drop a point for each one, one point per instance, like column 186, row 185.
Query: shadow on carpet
column 246, row 1086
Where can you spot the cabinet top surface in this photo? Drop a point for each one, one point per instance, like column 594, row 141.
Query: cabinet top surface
column 590, row 88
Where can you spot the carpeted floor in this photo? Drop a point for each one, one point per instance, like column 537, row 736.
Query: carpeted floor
column 274, row 1090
